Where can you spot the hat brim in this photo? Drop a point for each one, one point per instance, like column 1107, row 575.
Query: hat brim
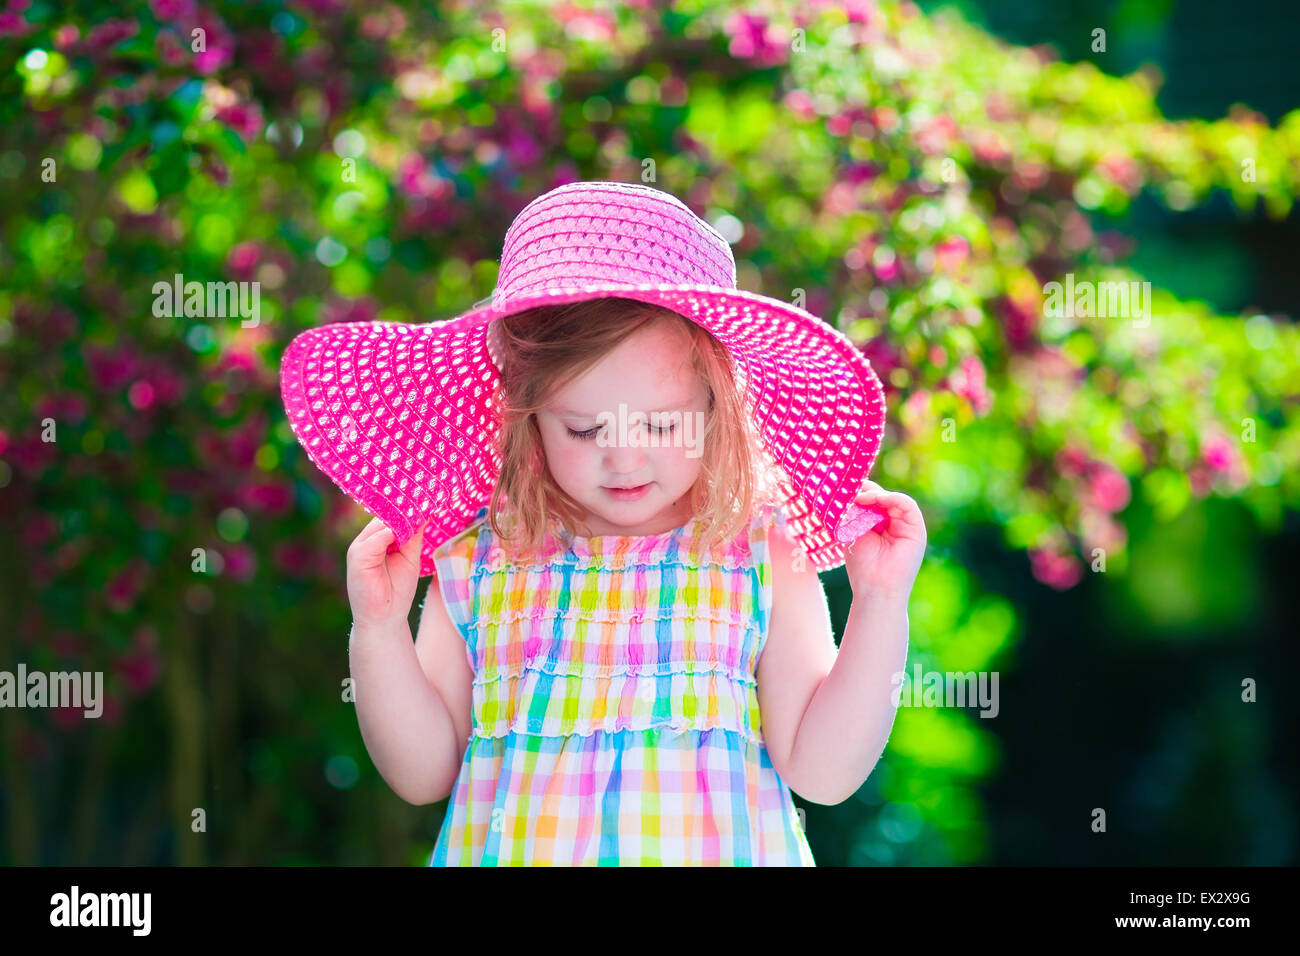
column 400, row 416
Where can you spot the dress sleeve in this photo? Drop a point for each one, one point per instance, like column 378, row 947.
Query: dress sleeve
column 451, row 563
column 779, row 517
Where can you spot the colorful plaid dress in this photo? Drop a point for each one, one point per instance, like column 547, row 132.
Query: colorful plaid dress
column 615, row 708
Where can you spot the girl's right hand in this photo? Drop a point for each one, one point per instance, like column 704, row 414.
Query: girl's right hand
column 381, row 586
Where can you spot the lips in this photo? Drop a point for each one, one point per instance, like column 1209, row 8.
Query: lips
column 635, row 493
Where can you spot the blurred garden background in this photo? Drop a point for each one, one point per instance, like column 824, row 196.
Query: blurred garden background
column 1111, row 500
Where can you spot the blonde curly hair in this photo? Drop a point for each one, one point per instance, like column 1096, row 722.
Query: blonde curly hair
column 540, row 350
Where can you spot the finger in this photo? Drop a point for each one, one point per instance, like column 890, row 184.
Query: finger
column 872, row 496
column 409, row 553
column 415, row 541
column 891, row 499
column 372, row 528
column 898, row 508
column 371, row 552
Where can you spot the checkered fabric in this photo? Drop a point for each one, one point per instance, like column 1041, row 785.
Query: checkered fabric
column 615, row 708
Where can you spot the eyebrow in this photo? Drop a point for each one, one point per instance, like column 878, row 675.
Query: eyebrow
column 570, row 413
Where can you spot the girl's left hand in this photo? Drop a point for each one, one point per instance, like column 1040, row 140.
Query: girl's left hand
column 884, row 561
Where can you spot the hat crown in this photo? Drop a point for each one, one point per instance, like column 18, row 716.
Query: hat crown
column 610, row 234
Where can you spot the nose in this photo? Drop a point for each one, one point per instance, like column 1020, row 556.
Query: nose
column 625, row 462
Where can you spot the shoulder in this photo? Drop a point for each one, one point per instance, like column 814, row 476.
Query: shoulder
column 794, row 578
column 453, row 561
column 772, row 532
column 789, row 560
column 462, row 544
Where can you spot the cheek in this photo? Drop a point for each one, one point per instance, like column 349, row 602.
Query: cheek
column 677, row 461
column 568, row 459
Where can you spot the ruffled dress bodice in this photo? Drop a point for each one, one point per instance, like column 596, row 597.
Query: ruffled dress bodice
column 615, row 715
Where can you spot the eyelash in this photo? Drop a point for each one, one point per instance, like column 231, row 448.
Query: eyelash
column 590, row 433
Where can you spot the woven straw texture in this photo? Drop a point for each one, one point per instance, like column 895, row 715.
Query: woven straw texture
column 402, row 419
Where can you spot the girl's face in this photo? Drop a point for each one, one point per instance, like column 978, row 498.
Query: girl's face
column 587, row 456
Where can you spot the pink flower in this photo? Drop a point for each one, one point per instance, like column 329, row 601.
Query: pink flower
column 172, row 51
column 1029, row 175
column 998, row 106
column 37, row 530
column 172, row 9
column 110, row 33
column 265, row 53
column 989, row 147
column 916, row 406
column 295, row 558
column 110, row 367
column 70, row 718
column 244, row 118
column 1108, row 488
column 272, row 496
column 242, row 259
column 859, row 11
column 887, row 270
column 936, row 135
column 1059, row 571
column 1100, row 530
column 12, row 25
column 322, row 7
column 584, row 24
column 219, row 45
column 884, row 358
column 125, row 586
column 1019, row 323
column 141, row 667
column 968, row 381
column 951, row 253
column 71, row 552
column 66, row 406
column 33, row 456
column 841, row 124
column 801, row 104
column 885, row 118
column 522, row 147
column 65, row 36
column 242, row 442
column 855, row 173
column 1072, row 461
column 140, row 395
column 1200, row 479
column 750, row 41
column 1218, row 453
column 236, row 359
column 1122, row 171
column 167, row 387
column 417, row 179
column 241, row 563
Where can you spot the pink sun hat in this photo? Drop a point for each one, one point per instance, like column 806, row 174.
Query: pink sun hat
column 402, row 417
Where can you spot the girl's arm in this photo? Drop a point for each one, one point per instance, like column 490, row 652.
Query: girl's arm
column 405, row 723
column 847, row 723
column 849, row 719
column 406, row 727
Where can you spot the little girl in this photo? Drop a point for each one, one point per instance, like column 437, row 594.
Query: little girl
column 630, row 658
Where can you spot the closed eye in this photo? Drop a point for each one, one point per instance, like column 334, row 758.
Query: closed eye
column 591, row 432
